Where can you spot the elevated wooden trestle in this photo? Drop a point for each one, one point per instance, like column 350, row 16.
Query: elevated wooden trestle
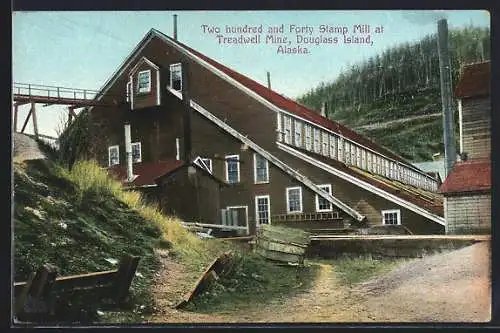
column 74, row 98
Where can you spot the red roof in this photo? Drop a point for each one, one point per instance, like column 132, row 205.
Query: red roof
column 468, row 176
column 147, row 172
column 475, row 80
column 292, row 106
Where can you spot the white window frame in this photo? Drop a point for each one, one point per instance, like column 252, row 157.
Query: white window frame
column 333, row 146
column 256, row 181
column 329, row 190
column 288, row 129
column 204, row 162
column 353, row 154
column 363, row 159
column 171, row 81
column 308, row 130
column 340, row 149
column 129, row 91
column 279, row 128
column 257, row 197
column 117, row 147
column 316, row 140
column 288, row 189
column 144, row 90
column 140, row 152
column 298, row 133
column 358, row 157
column 227, row 158
column 347, row 150
column 324, row 143
column 392, row 211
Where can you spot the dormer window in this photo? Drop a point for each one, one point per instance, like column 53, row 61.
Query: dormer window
column 144, row 81
column 176, row 77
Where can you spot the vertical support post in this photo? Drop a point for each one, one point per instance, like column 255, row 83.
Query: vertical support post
column 446, row 96
column 268, row 80
column 187, row 111
column 128, row 153
column 126, row 272
column 35, row 124
column 175, row 26
column 16, row 106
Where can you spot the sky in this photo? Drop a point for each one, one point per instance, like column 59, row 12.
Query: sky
column 83, row 49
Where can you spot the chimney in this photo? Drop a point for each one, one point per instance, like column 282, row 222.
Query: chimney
column 128, row 153
column 450, row 154
column 269, row 80
column 323, row 111
column 175, row 26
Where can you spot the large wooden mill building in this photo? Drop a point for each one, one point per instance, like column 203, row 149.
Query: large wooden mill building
column 211, row 145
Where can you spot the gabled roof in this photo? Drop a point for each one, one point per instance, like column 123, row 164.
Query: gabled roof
column 468, row 176
column 292, row 106
column 475, row 80
column 146, row 172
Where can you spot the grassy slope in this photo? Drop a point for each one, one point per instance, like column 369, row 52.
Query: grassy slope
column 76, row 219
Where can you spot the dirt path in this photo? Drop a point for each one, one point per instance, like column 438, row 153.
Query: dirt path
column 449, row 287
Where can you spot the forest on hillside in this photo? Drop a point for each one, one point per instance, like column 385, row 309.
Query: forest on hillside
column 401, row 82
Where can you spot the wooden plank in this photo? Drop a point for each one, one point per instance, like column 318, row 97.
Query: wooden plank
column 76, row 281
column 35, row 122
column 279, row 256
column 196, row 224
column 125, row 275
column 26, row 121
column 16, row 106
column 285, row 234
column 280, row 247
column 218, row 265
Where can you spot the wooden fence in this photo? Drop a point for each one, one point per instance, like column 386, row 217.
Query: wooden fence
column 36, row 297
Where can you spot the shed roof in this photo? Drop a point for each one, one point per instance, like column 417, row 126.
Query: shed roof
column 146, row 172
column 468, row 176
column 475, row 80
column 429, row 201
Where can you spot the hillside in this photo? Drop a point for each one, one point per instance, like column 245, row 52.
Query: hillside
column 81, row 220
column 400, row 84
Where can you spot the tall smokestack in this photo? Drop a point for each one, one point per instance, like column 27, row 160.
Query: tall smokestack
column 450, row 153
column 324, row 111
column 128, row 153
column 269, row 80
column 175, row 26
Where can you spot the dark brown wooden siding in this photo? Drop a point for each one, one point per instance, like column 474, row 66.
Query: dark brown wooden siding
column 157, row 128
column 192, row 198
column 144, row 99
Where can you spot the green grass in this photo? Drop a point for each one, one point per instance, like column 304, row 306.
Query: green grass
column 254, row 281
column 355, row 270
column 78, row 218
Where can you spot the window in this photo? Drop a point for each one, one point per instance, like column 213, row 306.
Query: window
column 324, row 143
column 129, row 90
column 279, row 130
column 294, row 199
column 369, row 162
column 233, row 169
column 144, row 81
column 358, row 157
column 308, row 136
column 316, row 140
column 353, row 154
column 363, row 159
column 333, row 148
column 340, row 147
column 323, row 205
column 114, row 155
column 392, row 216
column 262, row 209
column 348, row 153
column 176, row 77
column 261, row 169
column 288, row 129
column 205, row 163
column 136, row 152
column 298, row 133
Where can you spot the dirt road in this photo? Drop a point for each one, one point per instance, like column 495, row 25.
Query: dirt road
column 448, row 287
